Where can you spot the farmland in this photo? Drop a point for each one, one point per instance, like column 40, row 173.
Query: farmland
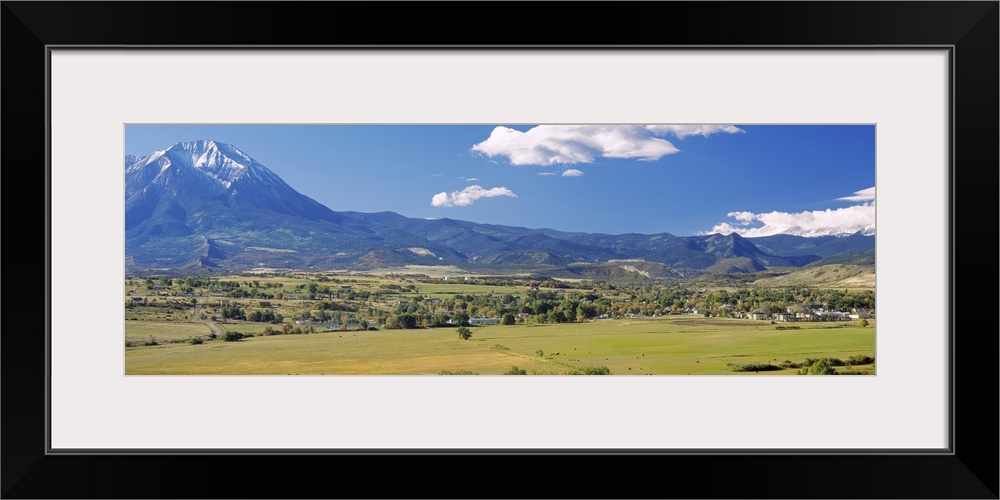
column 694, row 346
column 389, row 324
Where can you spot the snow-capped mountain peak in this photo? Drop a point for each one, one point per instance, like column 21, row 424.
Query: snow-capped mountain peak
column 839, row 231
column 205, row 169
column 222, row 162
column 223, row 165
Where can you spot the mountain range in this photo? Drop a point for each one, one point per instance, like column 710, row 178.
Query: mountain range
column 205, row 206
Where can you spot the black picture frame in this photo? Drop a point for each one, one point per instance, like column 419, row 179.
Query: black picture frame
column 970, row 29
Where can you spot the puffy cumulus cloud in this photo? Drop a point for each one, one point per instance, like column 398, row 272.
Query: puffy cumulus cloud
column 468, row 195
column 863, row 195
column 682, row 131
column 839, row 222
column 744, row 218
column 571, row 172
column 569, row 144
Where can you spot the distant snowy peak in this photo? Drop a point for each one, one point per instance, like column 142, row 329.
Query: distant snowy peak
column 196, row 172
column 830, row 231
column 839, row 231
column 223, row 164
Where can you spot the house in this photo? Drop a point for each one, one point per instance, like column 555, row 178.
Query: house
column 785, row 317
column 137, row 299
column 484, row 321
column 757, row 315
column 823, row 315
column 302, row 322
column 860, row 313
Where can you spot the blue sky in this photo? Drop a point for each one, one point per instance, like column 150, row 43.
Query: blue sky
column 683, row 180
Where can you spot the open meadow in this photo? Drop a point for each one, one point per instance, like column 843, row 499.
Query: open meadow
column 656, row 346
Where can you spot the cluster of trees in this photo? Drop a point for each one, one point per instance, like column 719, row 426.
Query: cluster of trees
column 587, row 370
column 233, row 312
column 423, row 319
column 537, row 305
column 190, row 284
column 266, row 316
column 159, row 304
column 551, row 306
column 288, row 329
column 818, row 366
column 244, row 293
column 659, row 299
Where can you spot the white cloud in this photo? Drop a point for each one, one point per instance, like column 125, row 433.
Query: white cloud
column 863, row 195
column 842, row 221
column 569, row 144
column 682, row 131
column 435, row 175
column 468, row 195
column 471, row 179
column 546, row 173
column 744, row 218
column 572, row 172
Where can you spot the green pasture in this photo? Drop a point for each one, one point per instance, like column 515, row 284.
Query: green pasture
column 164, row 330
column 361, row 353
column 364, row 282
column 687, row 345
column 670, row 345
column 156, row 314
column 448, row 290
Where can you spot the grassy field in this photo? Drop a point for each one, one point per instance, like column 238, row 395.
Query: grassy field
column 840, row 276
column 669, row 345
column 164, row 330
column 446, row 290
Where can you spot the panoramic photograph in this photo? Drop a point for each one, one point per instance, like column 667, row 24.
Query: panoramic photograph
column 499, row 249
